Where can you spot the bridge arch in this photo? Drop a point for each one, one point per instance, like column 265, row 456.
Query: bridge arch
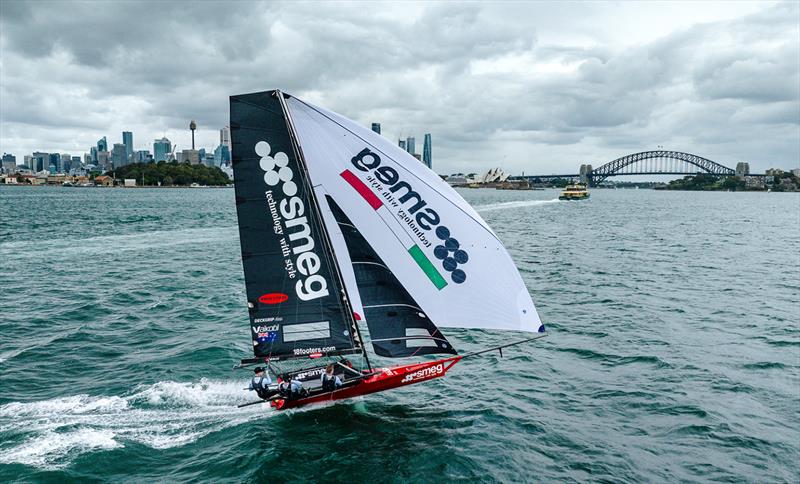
column 617, row 166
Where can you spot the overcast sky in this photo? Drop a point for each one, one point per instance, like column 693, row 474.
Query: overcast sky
column 535, row 87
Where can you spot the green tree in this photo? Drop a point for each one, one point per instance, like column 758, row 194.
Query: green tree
column 174, row 173
column 732, row 183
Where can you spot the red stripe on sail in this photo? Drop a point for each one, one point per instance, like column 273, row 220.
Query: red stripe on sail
column 362, row 189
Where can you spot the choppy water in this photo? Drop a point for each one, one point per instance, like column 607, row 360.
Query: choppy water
column 674, row 351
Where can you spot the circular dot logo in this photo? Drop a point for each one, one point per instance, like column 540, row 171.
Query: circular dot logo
column 276, row 168
column 451, row 255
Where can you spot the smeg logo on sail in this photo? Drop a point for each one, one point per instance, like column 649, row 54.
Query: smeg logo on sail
column 299, row 251
column 449, row 250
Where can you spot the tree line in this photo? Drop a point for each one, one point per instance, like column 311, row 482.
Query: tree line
column 708, row 182
column 172, row 174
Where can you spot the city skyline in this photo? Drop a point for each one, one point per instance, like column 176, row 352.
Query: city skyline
column 163, row 150
column 103, row 158
column 543, row 88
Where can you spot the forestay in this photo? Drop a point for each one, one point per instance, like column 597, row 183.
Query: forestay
column 437, row 247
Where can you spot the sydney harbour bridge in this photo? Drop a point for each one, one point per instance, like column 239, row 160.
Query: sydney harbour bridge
column 659, row 162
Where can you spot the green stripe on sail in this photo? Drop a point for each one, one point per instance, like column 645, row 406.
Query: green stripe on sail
column 427, row 267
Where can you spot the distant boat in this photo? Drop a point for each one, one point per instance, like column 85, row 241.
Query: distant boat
column 574, row 192
column 339, row 226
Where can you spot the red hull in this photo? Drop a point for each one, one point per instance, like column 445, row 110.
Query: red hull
column 388, row 378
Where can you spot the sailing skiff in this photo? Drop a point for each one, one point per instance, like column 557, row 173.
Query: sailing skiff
column 342, row 232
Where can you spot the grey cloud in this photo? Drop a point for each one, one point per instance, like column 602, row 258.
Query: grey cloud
column 92, row 67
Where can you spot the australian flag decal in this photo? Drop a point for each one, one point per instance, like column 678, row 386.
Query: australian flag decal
column 267, row 337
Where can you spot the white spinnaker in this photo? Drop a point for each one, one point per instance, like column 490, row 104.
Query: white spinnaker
column 492, row 295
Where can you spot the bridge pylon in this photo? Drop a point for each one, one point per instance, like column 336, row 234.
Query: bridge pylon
column 586, row 174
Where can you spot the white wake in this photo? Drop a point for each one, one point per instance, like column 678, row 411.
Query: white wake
column 137, row 241
column 50, row 433
column 512, row 205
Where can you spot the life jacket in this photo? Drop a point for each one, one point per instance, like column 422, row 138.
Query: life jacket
column 285, row 389
column 256, row 383
column 328, row 383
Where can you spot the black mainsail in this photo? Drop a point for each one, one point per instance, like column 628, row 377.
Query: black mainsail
column 296, row 299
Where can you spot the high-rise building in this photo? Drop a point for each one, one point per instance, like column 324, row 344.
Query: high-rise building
column 102, row 144
column 376, row 127
column 9, row 163
column 74, row 164
column 225, row 137
column 93, row 154
column 40, row 161
column 411, row 145
column 142, row 156
column 426, row 151
column 189, row 156
column 119, row 155
column 88, row 159
column 66, row 163
column 402, row 144
column 162, row 148
column 54, row 163
column 103, row 160
column 222, row 155
column 127, row 140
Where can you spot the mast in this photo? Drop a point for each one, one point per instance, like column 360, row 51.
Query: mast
column 298, row 151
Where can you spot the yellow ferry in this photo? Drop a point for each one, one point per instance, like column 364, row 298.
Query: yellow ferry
column 574, row 192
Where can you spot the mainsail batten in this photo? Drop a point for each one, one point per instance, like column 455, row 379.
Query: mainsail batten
column 296, row 301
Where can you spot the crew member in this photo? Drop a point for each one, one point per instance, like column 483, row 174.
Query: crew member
column 260, row 383
column 291, row 389
column 330, row 382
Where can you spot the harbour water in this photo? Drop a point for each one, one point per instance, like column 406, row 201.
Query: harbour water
column 673, row 355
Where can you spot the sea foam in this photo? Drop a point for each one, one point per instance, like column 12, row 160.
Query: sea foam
column 51, row 433
column 512, row 205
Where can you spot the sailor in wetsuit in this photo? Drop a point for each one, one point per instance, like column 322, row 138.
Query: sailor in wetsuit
column 291, row 389
column 260, row 383
column 330, row 382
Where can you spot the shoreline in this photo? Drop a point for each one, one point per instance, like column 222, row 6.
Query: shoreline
column 28, row 185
